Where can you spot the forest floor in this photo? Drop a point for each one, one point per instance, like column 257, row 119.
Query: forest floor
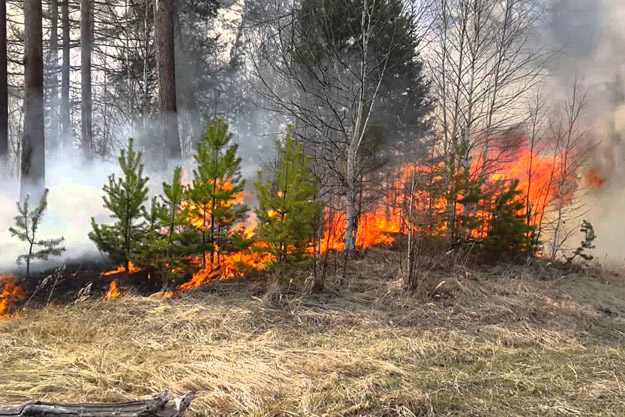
column 489, row 342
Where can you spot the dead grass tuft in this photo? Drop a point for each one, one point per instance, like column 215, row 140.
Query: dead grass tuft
column 484, row 343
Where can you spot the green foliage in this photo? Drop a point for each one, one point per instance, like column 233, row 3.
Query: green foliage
column 586, row 244
column 216, row 183
column 125, row 198
column 495, row 214
column 508, row 231
column 287, row 213
column 169, row 240
column 26, row 227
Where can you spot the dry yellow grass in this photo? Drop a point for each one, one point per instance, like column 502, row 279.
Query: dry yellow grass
column 505, row 344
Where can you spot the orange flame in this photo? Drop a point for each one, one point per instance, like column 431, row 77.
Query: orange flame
column 199, row 217
column 113, row 292
column 11, row 293
column 595, row 179
column 122, row 269
column 229, row 266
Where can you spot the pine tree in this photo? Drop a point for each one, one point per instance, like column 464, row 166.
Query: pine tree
column 125, row 198
column 287, row 212
column 508, row 231
column 26, row 227
column 217, row 184
column 169, row 239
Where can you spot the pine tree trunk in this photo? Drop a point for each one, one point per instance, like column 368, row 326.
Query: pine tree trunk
column 33, row 144
column 53, row 65
column 86, row 46
column 185, row 92
column 4, row 90
column 66, row 127
column 164, row 19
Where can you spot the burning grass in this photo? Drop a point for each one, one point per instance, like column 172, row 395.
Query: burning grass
column 496, row 343
column 10, row 294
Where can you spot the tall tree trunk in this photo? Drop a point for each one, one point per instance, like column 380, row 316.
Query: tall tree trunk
column 164, row 19
column 53, row 79
column 66, row 124
column 33, row 144
column 185, row 92
column 4, row 89
column 86, row 46
column 351, row 215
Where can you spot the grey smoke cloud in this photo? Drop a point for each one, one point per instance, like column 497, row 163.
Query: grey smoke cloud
column 591, row 37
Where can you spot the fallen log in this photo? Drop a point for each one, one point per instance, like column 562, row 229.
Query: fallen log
column 161, row 406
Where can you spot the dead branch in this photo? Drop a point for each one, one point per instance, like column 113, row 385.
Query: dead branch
column 161, row 406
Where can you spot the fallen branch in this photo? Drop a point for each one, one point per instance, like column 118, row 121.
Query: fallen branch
column 161, row 406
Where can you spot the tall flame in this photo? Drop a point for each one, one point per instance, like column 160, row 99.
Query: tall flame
column 113, row 291
column 10, row 293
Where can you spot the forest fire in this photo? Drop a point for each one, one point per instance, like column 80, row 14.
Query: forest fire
column 228, row 266
column 595, row 179
column 122, row 270
column 380, row 224
column 113, row 292
column 10, row 294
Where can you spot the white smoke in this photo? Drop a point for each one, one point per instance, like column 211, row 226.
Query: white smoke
column 75, row 196
column 591, row 37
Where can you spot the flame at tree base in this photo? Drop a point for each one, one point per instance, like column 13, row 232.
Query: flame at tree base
column 229, row 266
column 122, row 269
column 10, row 293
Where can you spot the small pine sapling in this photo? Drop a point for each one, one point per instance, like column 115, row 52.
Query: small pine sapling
column 125, row 198
column 26, row 228
column 288, row 213
column 508, row 231
column 585, row 245
column 214, row 204
column 169, row 239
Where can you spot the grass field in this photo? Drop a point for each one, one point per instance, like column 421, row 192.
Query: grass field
column 497, row 343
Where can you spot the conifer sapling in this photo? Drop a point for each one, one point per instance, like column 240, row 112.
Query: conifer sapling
column 288, row 212
column 213, row 204
column 124, row 198
column 26, row 227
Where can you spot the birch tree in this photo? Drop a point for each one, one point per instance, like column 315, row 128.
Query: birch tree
column 332, row 76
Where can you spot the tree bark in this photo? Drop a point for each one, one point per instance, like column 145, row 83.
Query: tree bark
column 160, row 406
column 164, row 19
column 66, row 127
column 4, row 89
column 86, row 46
column 53, row 66
column 33, row 144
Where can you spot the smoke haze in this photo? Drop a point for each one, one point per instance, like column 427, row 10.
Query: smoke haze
column 591, row 37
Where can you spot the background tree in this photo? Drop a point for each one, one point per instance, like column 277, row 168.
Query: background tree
column 86, row 47
column 65, row 111
column 164, row 18
column 345, row 68
column 4, row 91
column 33, row 144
